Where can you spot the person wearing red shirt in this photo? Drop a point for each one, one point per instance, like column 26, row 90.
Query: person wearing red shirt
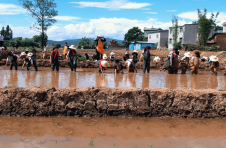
column 54, row 59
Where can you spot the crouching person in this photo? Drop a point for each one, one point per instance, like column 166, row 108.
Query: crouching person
column 118, row 67
column 72, row 57
column 131, row 65
column 30, row 62
column 54, row 59
column 184, row 64
column 102, row 64
column 214, row 65
column 12, row 59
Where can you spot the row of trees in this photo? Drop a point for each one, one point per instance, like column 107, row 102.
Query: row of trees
column 7, row 33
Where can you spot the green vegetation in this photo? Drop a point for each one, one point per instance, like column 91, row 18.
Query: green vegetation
column 175, row 31
column 91, row 142
column 7, row 33
column 133, row 35
column 58, row 45
column 217, row 28
column 44, row 12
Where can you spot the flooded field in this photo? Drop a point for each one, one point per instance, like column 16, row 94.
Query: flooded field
column 111, row 132
column 91, row 77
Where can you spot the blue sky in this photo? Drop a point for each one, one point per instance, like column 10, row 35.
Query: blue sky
column 111, row 18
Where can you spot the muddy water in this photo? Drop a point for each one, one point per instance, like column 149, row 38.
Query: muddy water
column 112, row 132
column 91, row 77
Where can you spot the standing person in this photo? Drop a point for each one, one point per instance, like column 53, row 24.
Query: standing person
column 195, row 61
column 44, row 52
column 12, row 59
column 17, row 45
column 118, row 67
column 54, row 59
column 214, row 64
column 1, row 40
column 184, row 64
column 34, row 51
column 72, row 57
column 12, row 49
column 99, row 46
column 102, row 64
column 146, row 59
column 65, row 50
column 173, row 61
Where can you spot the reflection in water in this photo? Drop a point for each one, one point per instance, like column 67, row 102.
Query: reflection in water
column 91, row 77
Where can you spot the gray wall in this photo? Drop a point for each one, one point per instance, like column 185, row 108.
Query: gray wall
column 190, row 33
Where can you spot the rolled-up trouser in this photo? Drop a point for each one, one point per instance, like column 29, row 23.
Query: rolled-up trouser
column 184, row 68
column 13, row 64
column 214, row 70
column 73, row 63
column 55, row 65
column 146, row 65
column 194, row 69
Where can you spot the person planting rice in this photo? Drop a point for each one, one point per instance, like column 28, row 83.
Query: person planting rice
column 146, row 59
column 112, row 55
column 173, row 62
column 131, row 66
column 31, row 62
column 23, row 55
column 118, row 67
column 214, row 64
column 184, row 64
column 54, row 59
column 195, row 62
column 72, row 57
column 12, row 59
column 99, row 46
column 102, row 64
column 87, row 56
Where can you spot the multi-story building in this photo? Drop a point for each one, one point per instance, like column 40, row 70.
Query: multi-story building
column 150, row 30
column 160, row 38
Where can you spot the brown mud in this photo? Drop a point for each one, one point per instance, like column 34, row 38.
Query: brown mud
column 103, row 102
column 65, row 78
column 111, row 132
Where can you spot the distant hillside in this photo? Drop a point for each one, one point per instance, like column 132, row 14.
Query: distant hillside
column 75, row 41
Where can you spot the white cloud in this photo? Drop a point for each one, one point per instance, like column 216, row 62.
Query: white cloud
column 151, row 12
column 66, row 18
column 10, row 9
column 171, row 10
column 109, row 27
column 193, row 15
column 113, row 4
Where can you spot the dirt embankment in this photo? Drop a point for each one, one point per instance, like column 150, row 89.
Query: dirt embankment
column 102, row 102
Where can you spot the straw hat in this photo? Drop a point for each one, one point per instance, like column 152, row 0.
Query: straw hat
column 104, row 63
column 100, row 36
column 156, row 59
column 214, row 58
column 30, row 54
column 188, row 54
column 23, row 54
column 73, row 47
column 197, row 51
column 3, row 47
column 135, row 51
column 105, row 57
column 112, row 53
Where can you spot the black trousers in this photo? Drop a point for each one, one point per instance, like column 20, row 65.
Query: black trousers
column 55, row 65
column 13, row 64
column 146, row 65
column 99, row 56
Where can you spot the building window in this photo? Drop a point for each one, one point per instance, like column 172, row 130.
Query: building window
column 180, row 40
column 181, row 30
column 149, row 36
column 157, row 36
column 170, row 41
column 171, row 31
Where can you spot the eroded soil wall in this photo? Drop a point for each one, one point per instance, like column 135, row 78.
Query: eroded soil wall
column 102, row 102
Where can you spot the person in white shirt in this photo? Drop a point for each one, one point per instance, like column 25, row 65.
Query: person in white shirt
column 44, row 53
column 12, row 59
column 1, row 39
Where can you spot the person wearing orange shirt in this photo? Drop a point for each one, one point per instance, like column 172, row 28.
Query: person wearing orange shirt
column 65, row 50
column 99, row 46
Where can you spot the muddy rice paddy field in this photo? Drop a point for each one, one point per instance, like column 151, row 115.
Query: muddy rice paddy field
column 85, row 109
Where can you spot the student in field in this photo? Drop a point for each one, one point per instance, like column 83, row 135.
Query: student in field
column 72, row 57
column 65, row 50
column 195, row 61
column 54, row 59
column 184, row 64
column 214, row 64
column 99, row 46
column 87, row 56
column 131, row 66
column 33, row 51
column 12, row 59
column 118, row 67
column 146, row 59
column 102, row 64
column 173, row 61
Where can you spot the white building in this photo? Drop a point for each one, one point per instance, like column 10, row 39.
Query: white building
column 187, row 34
column 224, row 27
column 150, row 30
column 160, row 38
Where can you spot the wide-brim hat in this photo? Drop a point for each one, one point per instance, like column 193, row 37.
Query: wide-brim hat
column 188, row 55
column 73, row 47
column 3, row 47
column 30, row 54
column 112, row 53
column 105, row 57
column 100, row 36
column 214, row 58
column 156, row 59
column 135, row 51
column 23, row 54
column 104, row 63
column 197, row 51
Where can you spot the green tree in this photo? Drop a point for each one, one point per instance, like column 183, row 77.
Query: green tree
column 134, row 34
column 7, row 33
column 38, row 39
column 84, row 42
column 205, row 26
column 218, row 28
column 44, row 11
column 175, row 31
column 58, row 45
